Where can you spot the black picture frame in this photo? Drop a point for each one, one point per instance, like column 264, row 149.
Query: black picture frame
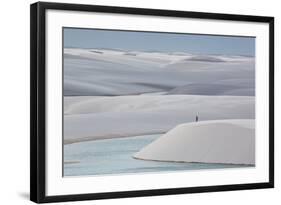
column 38, row 101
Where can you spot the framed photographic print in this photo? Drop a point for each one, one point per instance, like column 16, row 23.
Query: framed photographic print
column 129, row 102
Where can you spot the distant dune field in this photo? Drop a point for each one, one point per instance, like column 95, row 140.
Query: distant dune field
column 105, row 72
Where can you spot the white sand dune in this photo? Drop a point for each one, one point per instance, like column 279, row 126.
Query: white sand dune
column 104, row 72
column 212, row 89
column 220, row 141
column 90, row 118
column 135, row 103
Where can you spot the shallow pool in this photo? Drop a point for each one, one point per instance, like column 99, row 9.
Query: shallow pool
column 114, row 156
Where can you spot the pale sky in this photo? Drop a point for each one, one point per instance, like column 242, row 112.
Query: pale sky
column 152, row 41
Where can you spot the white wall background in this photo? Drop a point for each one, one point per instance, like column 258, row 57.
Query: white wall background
column 14, row 101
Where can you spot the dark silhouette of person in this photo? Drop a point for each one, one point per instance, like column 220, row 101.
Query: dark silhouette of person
column 196, row 118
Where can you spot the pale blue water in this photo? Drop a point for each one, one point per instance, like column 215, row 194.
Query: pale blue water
column 114, row 156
